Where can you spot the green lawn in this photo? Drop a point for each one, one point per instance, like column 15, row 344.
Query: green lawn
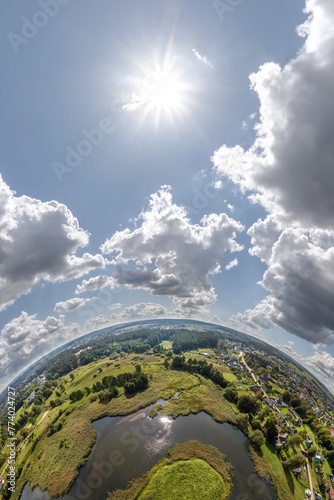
column 193, row 479
column 166, row 344
column 285, row 483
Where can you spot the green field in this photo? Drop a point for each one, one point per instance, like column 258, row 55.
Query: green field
column 52, row 462
column 177, row 479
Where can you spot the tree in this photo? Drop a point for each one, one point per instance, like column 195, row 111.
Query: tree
column 248, row 404
column 264, row 413
column 295, row 401
column 108, row 394
column 166, row 363
column 286, row 397
column 295, row 440
column 303, row 433
column 271, row 428
column 231, row 394
column 76, row 395
column 313, row 450
column 257, row 439
column 294, row 462
column 330, row 458
column 242, row 422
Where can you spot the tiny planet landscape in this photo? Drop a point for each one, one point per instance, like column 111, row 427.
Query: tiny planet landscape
column 167, row 250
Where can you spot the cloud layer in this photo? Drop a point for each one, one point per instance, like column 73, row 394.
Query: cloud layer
column 38, row 240
column 25, row 339
column 169, row 256
column 289, row 170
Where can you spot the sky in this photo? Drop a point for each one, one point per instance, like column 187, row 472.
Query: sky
column 169, row 159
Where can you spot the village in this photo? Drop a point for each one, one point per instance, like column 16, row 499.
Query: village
column 270, row 379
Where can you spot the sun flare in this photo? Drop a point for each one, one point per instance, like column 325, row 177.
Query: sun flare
column 163, row 90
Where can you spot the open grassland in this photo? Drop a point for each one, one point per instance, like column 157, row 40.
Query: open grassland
column 207, row 397
column 193, row 472
column 53, row 461
column 269, row 466
column 177, row 479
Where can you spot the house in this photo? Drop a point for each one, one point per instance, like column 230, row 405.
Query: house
column 317, row 458
column 297, row 422
column 331, row 494
column 304, row 453
column 309, row 442
column 32, row 396
column 293, row 431
column 268, row 402
column 297, row 471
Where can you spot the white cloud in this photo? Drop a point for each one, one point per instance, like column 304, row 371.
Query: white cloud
column 289, row 170
column 38, row 241
column 96, row 283
column 25, row 339
column 171, row 256
column 232, row 264
column 300, row 282
column 71, row 304
column 290, row 163
column 97, row 322
column 115, row 306
column 203, row 59
column 142, row 310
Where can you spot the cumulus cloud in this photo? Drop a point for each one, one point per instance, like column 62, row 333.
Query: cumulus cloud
column 142, row 310
column 71, row 304
column 96, row 283
column 25, row 339
column 320, row 363
column 232, row 264
column 168, row 255
column 289, row 170
column 38, row 241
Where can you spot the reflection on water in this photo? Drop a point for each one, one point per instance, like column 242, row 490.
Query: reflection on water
column 127, row 447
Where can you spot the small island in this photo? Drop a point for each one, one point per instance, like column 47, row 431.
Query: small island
column 194, row 471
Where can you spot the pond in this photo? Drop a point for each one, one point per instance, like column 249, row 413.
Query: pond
column 127, row 447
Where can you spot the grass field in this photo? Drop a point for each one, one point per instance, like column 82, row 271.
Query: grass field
column 191, row 479
column 269, row 466
column 204, row 397
column 52, row 462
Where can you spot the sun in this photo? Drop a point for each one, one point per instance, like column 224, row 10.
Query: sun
column 163, row 91
column 166, row 94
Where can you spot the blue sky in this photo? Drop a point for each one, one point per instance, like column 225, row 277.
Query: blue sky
column 152, row 103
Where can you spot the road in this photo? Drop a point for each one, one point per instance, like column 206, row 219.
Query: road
column 274, row 406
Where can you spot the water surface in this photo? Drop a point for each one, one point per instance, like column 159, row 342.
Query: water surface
column 127, row 447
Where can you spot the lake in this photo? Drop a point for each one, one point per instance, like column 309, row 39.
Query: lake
column 127, row 447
